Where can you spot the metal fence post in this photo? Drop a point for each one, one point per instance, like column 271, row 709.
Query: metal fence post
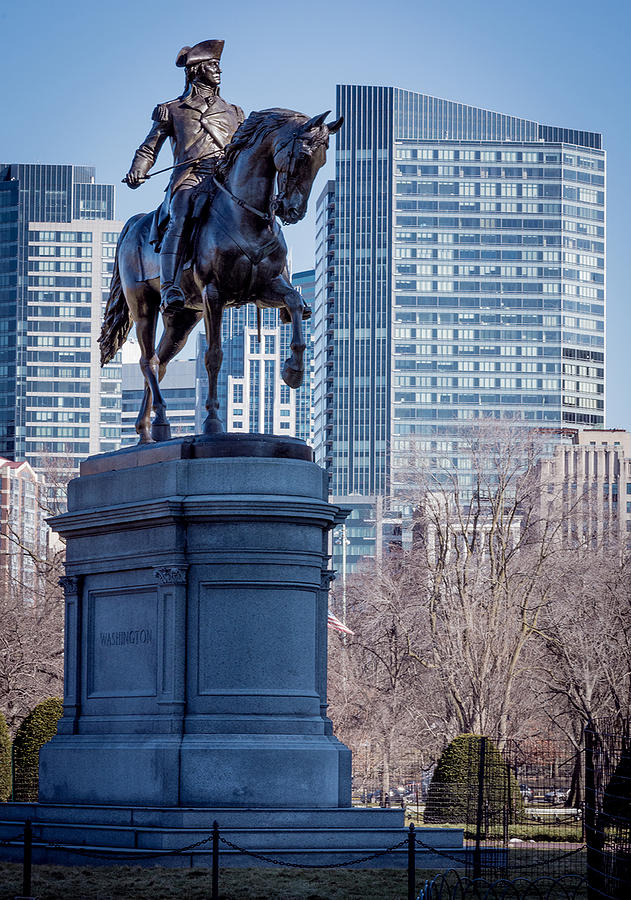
column 477, row 853
column 594, row 840
column 411, row 862
column 215, row 887
column 28, row 859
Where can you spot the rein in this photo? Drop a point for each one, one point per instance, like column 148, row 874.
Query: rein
column 267, row 217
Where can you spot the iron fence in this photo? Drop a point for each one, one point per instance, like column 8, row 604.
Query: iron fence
column 452, row 885
column 521, row 806
column 608, row 808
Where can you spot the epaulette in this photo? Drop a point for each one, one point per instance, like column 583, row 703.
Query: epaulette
column 240, row 114
column 160, row 113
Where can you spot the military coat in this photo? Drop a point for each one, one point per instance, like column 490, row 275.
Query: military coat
column 197, row 125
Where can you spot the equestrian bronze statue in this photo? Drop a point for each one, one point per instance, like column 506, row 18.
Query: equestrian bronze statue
column 216, row 241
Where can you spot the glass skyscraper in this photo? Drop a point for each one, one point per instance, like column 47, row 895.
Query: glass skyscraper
column 464, row 251
column 57, row 244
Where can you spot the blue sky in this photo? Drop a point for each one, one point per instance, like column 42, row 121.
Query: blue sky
column 79, row 80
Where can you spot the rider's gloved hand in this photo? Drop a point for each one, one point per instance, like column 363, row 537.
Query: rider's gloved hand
column 134, row 179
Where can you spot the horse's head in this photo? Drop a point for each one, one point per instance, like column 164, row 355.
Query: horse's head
column 299, row 152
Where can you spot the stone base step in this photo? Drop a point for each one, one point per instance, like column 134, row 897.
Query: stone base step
column 143, row 836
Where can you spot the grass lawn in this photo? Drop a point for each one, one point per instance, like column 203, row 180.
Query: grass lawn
column 155, row 883
column 565, row 830
column 135, row 883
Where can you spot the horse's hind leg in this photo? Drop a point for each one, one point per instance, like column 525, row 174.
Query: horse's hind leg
column 177, row 328
column 149, row 363
column 213, row 311
column 143, row 419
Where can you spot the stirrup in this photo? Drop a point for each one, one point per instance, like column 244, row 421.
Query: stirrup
column 172, row 299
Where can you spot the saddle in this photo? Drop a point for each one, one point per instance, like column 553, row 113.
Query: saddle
column 201, row 198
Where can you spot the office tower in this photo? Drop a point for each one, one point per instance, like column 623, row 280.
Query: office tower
column 322, row 326
column 23, row 531
column 467, row 259
column 179, row 389
column 57, row 244
column 590, row 478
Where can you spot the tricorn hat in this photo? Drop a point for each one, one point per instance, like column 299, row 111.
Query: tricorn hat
column 189, row 56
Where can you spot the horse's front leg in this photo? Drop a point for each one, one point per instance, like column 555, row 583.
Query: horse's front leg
column 213, row 311
column 279, row 293
column 294, row 367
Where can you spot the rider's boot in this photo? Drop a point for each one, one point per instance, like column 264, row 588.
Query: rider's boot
column 172, row 297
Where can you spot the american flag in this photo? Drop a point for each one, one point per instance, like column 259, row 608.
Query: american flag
column 337, row 625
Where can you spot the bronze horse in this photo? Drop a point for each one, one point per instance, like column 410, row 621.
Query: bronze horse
column 238, row 256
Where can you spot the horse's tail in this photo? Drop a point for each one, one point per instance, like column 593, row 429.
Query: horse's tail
column 116, row 319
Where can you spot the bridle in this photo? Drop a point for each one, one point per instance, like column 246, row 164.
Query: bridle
column 271, row 215
column 267, row 217
column 292, row 162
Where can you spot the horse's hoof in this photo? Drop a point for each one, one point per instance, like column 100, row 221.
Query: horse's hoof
column 292, row 377
column 213, row 426
column 145, row 439
column 161, row 432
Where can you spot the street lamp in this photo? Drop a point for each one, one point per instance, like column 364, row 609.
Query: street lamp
column 344, row 542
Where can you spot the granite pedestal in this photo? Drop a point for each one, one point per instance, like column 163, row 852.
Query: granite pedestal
column 195, row 667
column 196, row 628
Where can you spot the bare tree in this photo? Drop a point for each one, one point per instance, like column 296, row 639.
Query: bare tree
column 505, row 613
column 374, row 682
column 584, row 665
column 31, row 655
column 481, row 572
column 31, row 606
column 482, row 569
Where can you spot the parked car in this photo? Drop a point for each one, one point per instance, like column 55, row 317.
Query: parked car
column 556, row 795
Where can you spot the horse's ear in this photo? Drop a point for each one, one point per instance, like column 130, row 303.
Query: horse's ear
column 335, row 126
column 316, row 121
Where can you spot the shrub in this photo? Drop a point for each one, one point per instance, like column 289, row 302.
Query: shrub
column 5, row 760
column 36, row 730
column 617, row 797
column 453, row 793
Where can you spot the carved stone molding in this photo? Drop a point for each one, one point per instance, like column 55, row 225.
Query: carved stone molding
column 170, row 575
column 327, row 576
column 70, row 584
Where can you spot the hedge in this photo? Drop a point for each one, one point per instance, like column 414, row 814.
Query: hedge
column 5, row 760
column 453, row 793
column 37, row 729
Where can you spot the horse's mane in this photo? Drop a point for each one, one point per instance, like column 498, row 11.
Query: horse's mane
column 257, row 126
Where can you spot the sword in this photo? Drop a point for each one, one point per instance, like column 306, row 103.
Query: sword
column 187, row 162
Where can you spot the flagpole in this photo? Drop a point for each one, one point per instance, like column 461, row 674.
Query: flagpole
column 344, row 572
